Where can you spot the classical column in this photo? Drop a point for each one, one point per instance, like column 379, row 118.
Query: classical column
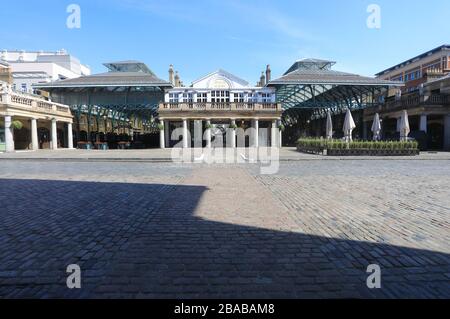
column 274, row 137
column 162, row 137
column 208, row 133
column 256, row 133
column 198, row 134
column 280, row 132
column 9, row 139
column 233, row 134
column 69, row 136
column 185, row 133
column 34, row 135
column 54, row 135
column 167, row 133
column 423, row 123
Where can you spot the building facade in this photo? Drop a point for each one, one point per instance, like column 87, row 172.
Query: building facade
column 28, row 122
column 33, row 67
column 420, row 69
column 426, row 97
column 205, row 112
column 116, row 109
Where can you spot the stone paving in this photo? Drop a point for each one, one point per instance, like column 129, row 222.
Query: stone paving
column 165, row 155
column 162, row 230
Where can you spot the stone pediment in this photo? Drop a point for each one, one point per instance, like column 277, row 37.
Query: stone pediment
column 220, row 79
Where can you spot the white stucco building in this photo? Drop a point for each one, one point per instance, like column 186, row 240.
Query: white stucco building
column 206, row 110
column 33, row 67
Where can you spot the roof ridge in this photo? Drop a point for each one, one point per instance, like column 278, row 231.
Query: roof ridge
column 220, row 70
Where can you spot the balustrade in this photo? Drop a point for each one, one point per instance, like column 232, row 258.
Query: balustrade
column 32, row 102
column 226, row 106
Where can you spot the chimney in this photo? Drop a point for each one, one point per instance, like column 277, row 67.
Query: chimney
column 6, row 74
column 171, row 78
column 262, row 80
column 268, row 74
column 177, row 79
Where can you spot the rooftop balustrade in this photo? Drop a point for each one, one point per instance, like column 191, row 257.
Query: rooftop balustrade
column 220, row 107
column 13, row 99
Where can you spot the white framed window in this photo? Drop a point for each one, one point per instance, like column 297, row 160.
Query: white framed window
column 220, row 96
column 188, row 97
column 202, row 97
column 238, row 97
column 266, row 97
column 173, row 98
column 252, row 97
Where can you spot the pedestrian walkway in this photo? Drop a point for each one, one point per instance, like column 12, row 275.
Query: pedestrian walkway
column 165, row 155
column 164, row 230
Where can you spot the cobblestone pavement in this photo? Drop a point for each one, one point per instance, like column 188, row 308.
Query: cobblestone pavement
column 144, row 230
column 165, row 155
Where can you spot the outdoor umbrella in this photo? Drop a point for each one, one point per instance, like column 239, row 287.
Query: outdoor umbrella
column 376, row 127
column 404, row 126
column 349, row 126
column 329, row 127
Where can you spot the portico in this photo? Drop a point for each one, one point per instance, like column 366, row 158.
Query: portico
column 215, row 131
column 220, row 110
column 30, row 123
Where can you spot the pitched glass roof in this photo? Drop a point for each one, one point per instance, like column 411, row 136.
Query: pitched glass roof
column 121, row 74
column 311, row 83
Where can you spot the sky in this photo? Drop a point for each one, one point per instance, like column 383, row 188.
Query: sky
column 242, row 37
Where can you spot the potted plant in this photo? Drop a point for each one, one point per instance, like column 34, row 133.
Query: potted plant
column 161, row 126
column 16, row 125
column 233, row 126
column 282, row 128
column 208, row 126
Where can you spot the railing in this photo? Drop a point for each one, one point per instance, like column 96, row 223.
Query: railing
column 45, row 105
column 415, row 99
column 21, row 100
column 438, row 99
column 33, row 103
column 220, row 107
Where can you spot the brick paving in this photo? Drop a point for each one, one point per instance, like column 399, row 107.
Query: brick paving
column 143, row 230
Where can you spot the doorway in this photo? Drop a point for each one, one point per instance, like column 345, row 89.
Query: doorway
column 435, row 136
column 44, row 138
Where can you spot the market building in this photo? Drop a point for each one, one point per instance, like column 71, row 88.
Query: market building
column 311, row 88
column 130, row 107
column 425, row 96
column 30, row 122
column 215, row 103
column 115, row 109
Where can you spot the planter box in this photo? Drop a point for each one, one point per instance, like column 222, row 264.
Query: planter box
column 365, row 152
column 310, row 150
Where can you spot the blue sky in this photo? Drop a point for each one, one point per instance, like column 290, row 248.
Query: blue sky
column 200, row 36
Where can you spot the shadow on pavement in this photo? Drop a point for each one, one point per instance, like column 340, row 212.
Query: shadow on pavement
column 143, row 241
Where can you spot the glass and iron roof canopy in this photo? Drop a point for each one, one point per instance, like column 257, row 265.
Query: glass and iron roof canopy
column 312, row 85
column 309, row 86
column 129, row 87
